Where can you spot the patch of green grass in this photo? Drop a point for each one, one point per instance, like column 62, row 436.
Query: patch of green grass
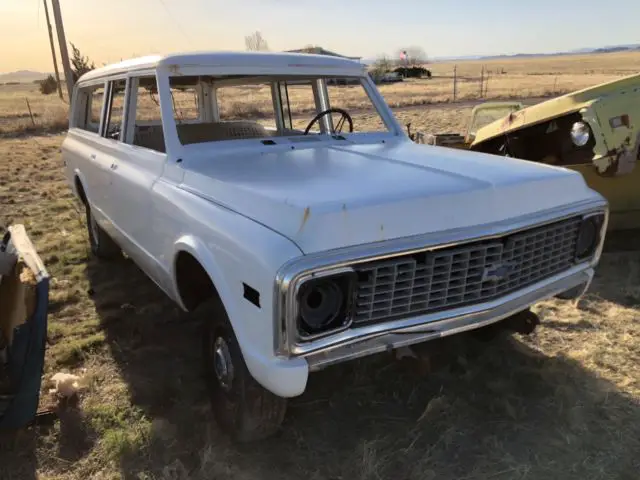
column 73, row 351
column 121, row 443
column 119, row 415
column 59, row 330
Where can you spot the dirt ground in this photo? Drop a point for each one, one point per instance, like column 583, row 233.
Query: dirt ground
column 563, row 403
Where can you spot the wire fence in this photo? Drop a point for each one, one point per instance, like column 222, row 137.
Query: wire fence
column 24, row 109
column 459, row 83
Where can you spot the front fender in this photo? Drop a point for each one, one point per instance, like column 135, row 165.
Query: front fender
column 77, row 174
column 252, row 325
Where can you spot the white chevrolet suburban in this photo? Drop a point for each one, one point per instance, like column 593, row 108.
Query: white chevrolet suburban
column 276, row 196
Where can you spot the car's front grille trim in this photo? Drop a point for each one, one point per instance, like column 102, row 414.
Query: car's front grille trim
column 434, row 280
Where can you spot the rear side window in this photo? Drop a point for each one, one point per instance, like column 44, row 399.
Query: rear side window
column 89, row 109
column 115, row 109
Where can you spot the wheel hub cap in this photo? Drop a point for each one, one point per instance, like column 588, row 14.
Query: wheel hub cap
column 222, row 363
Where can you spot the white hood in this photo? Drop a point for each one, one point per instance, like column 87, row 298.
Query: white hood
column 343, row 195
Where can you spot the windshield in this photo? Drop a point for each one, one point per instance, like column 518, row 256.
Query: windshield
column 266, row 108
column 488, row 115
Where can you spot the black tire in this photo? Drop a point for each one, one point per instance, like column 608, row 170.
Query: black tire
column 243, row 408
column 102, row 246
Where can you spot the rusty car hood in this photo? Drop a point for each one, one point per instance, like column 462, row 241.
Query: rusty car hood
column 556, row 107
column 344, row 195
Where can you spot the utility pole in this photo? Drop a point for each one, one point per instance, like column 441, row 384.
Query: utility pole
column 64, row 54
column 53, row 50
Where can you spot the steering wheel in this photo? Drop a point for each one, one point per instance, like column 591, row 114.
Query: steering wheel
column 339, row 125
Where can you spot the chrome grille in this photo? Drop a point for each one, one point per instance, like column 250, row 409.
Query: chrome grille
column 434, row 280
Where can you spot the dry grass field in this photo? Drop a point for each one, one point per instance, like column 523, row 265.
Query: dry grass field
column 522, row 78
column 563, row 403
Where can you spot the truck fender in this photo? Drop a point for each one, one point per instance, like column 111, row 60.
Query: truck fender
column 267, row 371
column 79, row 176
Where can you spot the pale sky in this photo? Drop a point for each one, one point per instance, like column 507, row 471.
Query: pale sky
column 110, row 30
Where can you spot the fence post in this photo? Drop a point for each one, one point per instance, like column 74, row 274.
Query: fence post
column 33, row 122
column 481, row 80
column 486, row 84
column 455, row 82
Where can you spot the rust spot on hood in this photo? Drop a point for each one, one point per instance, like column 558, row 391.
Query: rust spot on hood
column 305, row 217
column 511, row 118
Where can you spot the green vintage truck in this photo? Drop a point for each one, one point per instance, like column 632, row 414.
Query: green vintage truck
column 595, row 131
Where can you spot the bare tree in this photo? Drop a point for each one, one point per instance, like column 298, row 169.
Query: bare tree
column 414, row 56
column 256, row 42
column 381, row 66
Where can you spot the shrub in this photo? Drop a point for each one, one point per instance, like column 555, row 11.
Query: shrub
column 48, row 85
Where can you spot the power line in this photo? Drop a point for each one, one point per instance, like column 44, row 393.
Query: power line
column 175, row 20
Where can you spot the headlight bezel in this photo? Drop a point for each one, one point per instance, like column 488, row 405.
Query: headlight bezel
column 345, row 279
column 598, row 221
column 286, row 334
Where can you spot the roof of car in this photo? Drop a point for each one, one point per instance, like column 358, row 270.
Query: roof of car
column 554, row 108
column 221, row 61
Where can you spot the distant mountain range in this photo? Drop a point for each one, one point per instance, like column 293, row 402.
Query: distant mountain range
column 22, row 76
column 579, row 51
column 27, row 76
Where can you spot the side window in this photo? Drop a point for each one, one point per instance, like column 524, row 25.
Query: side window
column 90, row 101
column 298, row 105
column 146, row 118
column 115, row 109
column 249, row 103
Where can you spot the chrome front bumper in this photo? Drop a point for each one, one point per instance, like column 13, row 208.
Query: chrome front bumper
column 359, row 342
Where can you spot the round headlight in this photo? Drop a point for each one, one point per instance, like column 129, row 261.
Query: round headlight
column 588, row 237
column 321, row 303
column 580, row 134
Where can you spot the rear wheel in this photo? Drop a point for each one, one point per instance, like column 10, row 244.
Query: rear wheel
column 243, row 408
column 102, row 246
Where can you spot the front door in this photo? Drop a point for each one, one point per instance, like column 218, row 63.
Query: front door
column 139, row 164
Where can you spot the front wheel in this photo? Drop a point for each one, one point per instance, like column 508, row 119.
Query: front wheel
column 243, row 408
column 102, row 246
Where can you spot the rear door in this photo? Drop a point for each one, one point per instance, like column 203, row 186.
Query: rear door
column 108, row 151
column 82, row 147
